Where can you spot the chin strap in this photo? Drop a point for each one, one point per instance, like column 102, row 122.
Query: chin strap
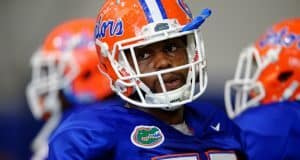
column 39, row 145
column 290, row 91
column 176, row 95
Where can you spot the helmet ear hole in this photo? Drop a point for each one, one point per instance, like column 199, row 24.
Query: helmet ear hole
column 86, row 75
column 284, row 76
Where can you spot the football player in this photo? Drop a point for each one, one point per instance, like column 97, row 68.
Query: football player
column 64, row 77
column 264, row 96
column 152, row 52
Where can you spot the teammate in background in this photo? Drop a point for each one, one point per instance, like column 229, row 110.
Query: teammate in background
column 266, row 89
column 152, row 51
column 64, row 77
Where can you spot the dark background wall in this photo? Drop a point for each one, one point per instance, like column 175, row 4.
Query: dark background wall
column 233, row 25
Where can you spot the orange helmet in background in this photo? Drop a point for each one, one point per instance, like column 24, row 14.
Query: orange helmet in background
column 123, row 25
column 67, row 63
column 269, row 70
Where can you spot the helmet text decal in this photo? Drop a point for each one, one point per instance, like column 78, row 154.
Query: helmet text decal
column 282, row 38
column 112, row 28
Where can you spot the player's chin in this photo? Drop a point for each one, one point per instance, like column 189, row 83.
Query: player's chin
column 170, row 86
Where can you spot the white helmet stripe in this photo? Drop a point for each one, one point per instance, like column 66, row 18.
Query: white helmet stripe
column 153, row 10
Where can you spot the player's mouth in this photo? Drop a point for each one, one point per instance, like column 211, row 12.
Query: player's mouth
column 172, row 82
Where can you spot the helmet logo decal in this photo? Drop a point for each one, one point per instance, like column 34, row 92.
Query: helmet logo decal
column 147, row 136
column 114, row 28
column 185, row 8
column 161, row 27
column 282, row 38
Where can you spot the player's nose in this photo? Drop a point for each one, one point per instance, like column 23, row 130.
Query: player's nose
column 161, row 60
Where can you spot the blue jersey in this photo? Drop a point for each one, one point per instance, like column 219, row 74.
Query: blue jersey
column 271, row 131
column 110, row 131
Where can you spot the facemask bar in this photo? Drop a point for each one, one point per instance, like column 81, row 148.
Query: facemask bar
column 245, row 81
column 132, row 79
column 49, row 84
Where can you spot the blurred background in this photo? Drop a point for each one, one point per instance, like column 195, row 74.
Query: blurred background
column 233, row 25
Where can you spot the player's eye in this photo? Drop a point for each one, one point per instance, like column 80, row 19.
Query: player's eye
column 170, row 47
column 143, row 54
